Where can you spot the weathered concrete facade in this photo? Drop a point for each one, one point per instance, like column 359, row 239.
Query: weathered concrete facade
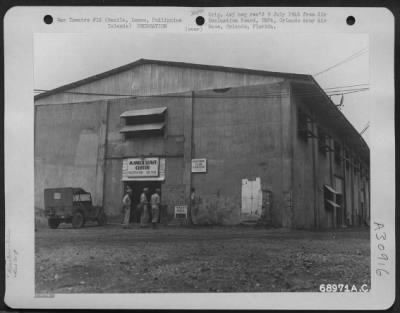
column 245, row 125
column 342, row 165
column 69, row 147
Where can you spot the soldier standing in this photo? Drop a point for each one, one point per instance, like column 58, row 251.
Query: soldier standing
column 126, row 206
column 194, row 206
column 155, row 207
column 144, row 203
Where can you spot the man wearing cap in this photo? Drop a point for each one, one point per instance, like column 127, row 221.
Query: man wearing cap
column 144, row 203
column 126, row 206
column 155, row 207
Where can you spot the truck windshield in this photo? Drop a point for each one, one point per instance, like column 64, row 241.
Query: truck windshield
column 82, row 197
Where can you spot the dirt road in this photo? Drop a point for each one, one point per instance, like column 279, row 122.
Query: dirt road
column 219, row 259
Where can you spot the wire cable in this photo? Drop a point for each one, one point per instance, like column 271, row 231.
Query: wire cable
column 264, row 95
column 351, row 57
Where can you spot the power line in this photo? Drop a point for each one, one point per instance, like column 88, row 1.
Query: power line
column 346, row 86
column 364, row 129
column 348, row 92
column 265, row 95
column 88, row 93
column 351, row 57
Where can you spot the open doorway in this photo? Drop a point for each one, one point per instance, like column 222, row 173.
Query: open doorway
column 137, row 189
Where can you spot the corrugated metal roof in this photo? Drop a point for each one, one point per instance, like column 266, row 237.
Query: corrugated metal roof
column 144, row 112
column 141, row 127
column 166, row 63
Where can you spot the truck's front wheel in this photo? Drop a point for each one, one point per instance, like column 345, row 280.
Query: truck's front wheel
column 53, row 223
column 78, row 220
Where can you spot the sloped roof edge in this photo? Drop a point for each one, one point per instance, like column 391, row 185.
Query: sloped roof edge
column 340, row 113
column 352, row 130
column 165, row 63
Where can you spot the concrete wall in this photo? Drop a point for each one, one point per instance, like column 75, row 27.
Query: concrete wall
column 153, row 79
column 356, row 213
column 69, row 148
column 312, row 170
column 304, row 194
column 169, row 146
column 324, row 161
column 243, row 133
column 240, row 135
column 308, row 191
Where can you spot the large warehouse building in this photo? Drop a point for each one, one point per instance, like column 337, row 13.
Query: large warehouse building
column 256, row 145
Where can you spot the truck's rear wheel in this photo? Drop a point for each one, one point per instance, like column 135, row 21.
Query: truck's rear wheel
column 78, row 220
column 53, row 223
column 102, row 219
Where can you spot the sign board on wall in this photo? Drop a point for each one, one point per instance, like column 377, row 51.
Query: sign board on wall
column 146, row 167
column 152, row 168
column 199, row 165
column 181, row 211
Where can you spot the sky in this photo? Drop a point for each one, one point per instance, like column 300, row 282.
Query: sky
column 63, row 58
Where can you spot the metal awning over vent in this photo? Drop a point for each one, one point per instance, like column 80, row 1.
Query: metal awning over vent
column 144, row 112
column 330, row 189
column 142, row 127
column 335, row 205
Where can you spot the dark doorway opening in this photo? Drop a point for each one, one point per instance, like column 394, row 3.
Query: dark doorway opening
column 137, row 188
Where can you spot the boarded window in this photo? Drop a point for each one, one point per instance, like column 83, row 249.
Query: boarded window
column 251, row 199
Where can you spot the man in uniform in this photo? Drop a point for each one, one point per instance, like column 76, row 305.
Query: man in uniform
column 155, row 207
column 126, row 206
column 194, row 206
column 144, row 203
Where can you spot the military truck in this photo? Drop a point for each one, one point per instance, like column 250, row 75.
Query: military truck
column 72, row 206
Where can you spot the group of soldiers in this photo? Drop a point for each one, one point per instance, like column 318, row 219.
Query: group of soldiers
column 146, row 207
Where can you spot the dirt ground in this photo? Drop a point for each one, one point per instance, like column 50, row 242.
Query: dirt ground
column 203, row 259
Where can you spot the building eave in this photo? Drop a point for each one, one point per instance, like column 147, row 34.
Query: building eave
column 331, row 109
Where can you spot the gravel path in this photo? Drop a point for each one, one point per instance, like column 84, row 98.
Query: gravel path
column 208, row 259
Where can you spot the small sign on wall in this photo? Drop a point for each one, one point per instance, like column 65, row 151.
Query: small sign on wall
column 181, row 211
column 199, row 165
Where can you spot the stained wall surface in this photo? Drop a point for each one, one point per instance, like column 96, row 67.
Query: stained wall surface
column 244, row 132
column 69, row 148
column 168, row 146
column 312, row 169
column 239, row 132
